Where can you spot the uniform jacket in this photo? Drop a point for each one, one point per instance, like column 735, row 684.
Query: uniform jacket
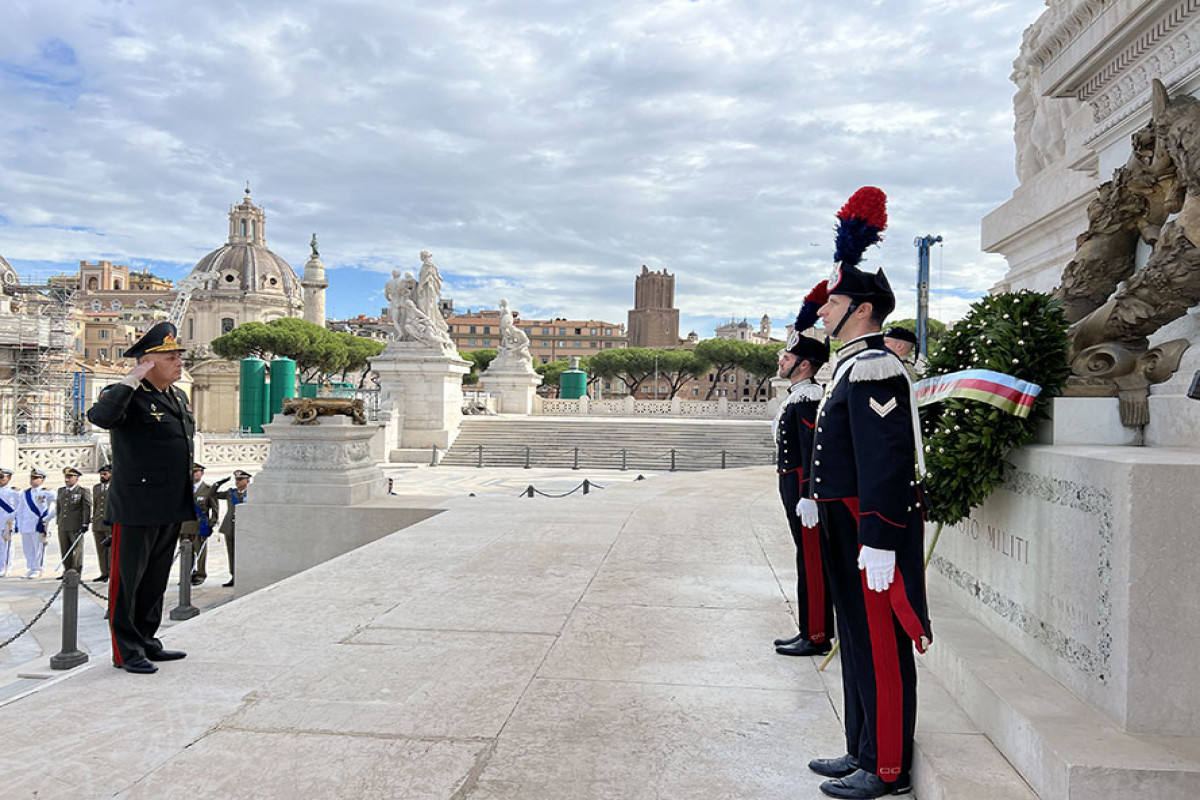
column 207, row 503
column 794, row 427
column 227, row 524
column 865, row 456
column 73, row 507
column 27, row 519
column 152, row 459
column 10, row 496
column 99, row 508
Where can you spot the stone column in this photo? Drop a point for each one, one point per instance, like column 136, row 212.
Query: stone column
column 515, row 386
column 423, row 386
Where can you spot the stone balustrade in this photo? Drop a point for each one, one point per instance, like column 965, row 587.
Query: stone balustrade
column 720, row 408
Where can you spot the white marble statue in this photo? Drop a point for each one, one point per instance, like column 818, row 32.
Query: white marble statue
column 514, row 344
column 429, row 292
column 411, row 322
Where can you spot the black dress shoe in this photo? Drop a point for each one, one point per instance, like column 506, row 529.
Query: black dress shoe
column 834, row 767
column 138, row 665
column 101, row 579
column 228, row 584
column 793, row 640
column 862, row 785
column 197, row 580
column 804, row 647
column 165, row 655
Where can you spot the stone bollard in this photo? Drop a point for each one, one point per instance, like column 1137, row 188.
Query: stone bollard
column 185, row 609
column 70, row 655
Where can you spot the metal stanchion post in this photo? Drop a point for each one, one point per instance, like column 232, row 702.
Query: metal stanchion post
column 480, row 462
column 526, row 456
column 433, row 459
column 576, row 464
column 185, row 609
column 672, row 459
column 722, row 459
column 529, row 490
column 622, row 458
column 586, row 485
column 70, row 655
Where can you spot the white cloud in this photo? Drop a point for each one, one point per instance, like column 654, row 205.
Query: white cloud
column 542, row 149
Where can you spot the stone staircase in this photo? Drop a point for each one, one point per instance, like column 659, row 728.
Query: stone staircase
column 611, row 443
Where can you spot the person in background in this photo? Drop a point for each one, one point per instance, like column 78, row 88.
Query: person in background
column 200, row 527
column 35, row 510
column 73, row 510
column 101, row 529
column 235, row 497
column 8, row 513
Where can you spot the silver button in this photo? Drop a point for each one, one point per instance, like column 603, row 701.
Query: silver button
column 818, row 447
column 820, row 430
column 815, row 495
column 818, row 480
column 816, row 463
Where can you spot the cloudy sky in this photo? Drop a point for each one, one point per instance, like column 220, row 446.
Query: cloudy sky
column 543, row 150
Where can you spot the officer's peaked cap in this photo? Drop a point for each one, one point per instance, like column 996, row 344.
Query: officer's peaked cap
column 162, row 338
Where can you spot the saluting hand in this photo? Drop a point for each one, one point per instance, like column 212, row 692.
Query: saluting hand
column 140, row 371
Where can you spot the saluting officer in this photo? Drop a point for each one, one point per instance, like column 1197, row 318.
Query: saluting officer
column 73, row 508
column 865, row 469
column 798, row 362
column 235, row 497
column 151, row 427
column 101, row 528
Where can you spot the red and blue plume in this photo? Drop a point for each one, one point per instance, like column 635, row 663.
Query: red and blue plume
column 807, row 317
column 860, row 223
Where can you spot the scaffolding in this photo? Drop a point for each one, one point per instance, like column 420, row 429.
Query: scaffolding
column 46, row 401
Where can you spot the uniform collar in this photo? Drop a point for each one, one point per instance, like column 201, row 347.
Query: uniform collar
column 798, row 384
column 867, row 341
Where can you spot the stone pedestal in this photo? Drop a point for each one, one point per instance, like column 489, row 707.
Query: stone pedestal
column 1087, row 421
column 516, row 386
column 319, row 495
column 423, row 386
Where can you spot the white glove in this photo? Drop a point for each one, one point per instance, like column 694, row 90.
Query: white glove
column 880, row 566
column 807, row 511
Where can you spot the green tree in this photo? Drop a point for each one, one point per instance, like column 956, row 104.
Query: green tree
column 631, row 365
column 318, row 353
column 552, row 374
column 677, row 367
column 479, row 361
column 722, row 356
column 763, row 363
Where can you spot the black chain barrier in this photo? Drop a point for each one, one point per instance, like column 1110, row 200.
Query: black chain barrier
column 35, row 619
column 527, row 456
column 587, row 485
column 94, row 593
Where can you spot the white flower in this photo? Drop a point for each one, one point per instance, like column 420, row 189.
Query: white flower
column 1020, row 341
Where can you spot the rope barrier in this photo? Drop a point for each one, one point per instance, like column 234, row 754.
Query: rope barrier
column 33, row 621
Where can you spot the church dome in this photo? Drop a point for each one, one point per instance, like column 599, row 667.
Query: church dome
column 244, row 264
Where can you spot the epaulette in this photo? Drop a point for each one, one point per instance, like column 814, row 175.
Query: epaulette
column 876, row 365
column 807, row 391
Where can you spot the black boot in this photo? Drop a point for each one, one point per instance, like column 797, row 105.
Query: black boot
column 862, row 785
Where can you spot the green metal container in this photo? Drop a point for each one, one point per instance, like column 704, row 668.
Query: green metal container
column 572, row 384
column 252, row 390
column 283, row 384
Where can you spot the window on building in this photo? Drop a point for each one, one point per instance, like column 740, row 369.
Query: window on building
column 96, row 305
column 226, row 325
column 93, row 284
column 472, row 343
column 243, row 227
column 191, row 329
column 472, row 331
column 578, row 344
column 545, row 359
column 86, row 353
column 593, row 331
column 562, row 331
column 487, row 328
column 562, row 343
column 593, row 345
column 102, row 353
column 695, row 391
column 608, row 331
column 116, row 305
column 103, row 333
column 545, row 331
column 579, row 331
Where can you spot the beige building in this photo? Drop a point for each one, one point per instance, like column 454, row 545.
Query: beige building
column 549, row 339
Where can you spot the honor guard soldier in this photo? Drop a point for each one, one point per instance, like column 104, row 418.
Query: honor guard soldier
column 235, row 497
column 151, row 427
column 794, row 425
column 35, row 510
column 8, row 514
column 904, row 344
column 101, row 529
column 73, row 508
column 864, row 473
column 199, row 528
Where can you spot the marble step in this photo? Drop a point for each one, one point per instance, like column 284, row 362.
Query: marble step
column 1062, row 747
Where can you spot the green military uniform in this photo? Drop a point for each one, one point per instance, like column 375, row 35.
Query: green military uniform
column 101, row 528
column 73, row 509
column 235, row 497
column 200, row 527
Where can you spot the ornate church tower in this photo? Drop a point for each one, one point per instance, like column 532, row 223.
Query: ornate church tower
column 654, row 320
column 314, row 284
